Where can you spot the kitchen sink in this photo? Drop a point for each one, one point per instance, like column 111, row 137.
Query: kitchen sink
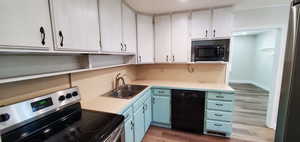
column 126, row 91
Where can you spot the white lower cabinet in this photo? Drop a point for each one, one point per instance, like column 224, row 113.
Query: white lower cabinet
column 25, row 25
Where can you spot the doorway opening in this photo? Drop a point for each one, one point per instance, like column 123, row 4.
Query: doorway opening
column 253, row 74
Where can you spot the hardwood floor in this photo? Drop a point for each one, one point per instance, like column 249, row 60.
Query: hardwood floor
column 248, row 121
column 251, row 104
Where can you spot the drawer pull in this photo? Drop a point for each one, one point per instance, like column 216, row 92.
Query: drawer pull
column 218, row 115
column 220, row 97
column 160, row 91
column 218, row 125
column 219, row 104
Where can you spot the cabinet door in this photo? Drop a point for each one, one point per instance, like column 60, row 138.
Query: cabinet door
column 201, row 24
column 222, row 22
column 145, row 39
column 139, row 125
column 161, row 109
column 76, row 25
column 111, row 25
column 129, row 29
column 22, row 22
column 180, row 37
column 162, row 38
column 129, row 131
column 148, row 113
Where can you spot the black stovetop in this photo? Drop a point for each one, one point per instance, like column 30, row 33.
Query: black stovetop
column 71, row 124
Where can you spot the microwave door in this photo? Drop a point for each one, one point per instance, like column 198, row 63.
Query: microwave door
column 207, row 54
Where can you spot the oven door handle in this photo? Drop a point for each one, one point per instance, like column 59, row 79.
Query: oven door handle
column 117, row 134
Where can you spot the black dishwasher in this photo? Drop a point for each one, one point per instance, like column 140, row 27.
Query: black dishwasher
column 188, row 110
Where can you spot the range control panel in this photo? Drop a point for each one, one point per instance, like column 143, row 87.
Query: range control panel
column 19, row 113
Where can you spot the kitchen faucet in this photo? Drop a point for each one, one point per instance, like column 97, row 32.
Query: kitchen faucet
column 118, row 78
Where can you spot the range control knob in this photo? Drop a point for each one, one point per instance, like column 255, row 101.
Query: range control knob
column 69, row 95
column 75, row 94
column 4, row 117
column 61, row 98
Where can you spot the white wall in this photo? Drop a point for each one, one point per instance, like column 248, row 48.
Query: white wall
column 264, row 59
column 242, row 51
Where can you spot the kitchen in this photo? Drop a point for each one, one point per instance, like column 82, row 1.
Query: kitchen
column 127, row 69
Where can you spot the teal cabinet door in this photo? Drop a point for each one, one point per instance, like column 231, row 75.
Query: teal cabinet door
column 139, row 125
column 148, row 113
column 129, row 133
column 161, row 109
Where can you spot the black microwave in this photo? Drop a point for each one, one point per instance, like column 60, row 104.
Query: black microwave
column 210, row 50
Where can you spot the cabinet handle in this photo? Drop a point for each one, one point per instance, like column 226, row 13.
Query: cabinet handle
column 61, row 38
column 206, row 33
column 214, row 33
column 173, row 58
column 220, row 96
column 167, row 58
column 43, row 35
column 140, row 58
column 219, row 104
column 218, row 125
column 122, row 46
column 218, row 115
column 132, row 125
column 125, row 47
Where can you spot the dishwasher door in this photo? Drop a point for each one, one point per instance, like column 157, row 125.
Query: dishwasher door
column 188, row 110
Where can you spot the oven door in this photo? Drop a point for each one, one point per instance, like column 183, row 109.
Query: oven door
column 208, row 53
column 118, row 135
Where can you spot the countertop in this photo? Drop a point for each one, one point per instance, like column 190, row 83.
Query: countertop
column 115, row 105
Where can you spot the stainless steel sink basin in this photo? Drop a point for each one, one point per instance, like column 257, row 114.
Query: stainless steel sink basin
column 126, row 92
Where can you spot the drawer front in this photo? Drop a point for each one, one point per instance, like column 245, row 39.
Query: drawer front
column 219, row 105
column 220, row 96
column 128, row 113
column 218, row 126
column 219, row 115
column 162, row 92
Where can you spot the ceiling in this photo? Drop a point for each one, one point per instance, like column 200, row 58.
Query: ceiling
column 164, row 6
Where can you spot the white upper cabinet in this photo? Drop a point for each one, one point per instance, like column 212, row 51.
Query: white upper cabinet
column 129, row 29
column 25, row 25
column 222, row 22
column 162, row 38
column 201, row 24
column 180, row 37
column 145, row 39
column 76, row 25
column 111, row 25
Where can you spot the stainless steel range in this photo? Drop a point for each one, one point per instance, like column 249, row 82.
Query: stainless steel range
column 58, row 117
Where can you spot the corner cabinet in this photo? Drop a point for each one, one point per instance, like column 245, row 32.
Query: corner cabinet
column 76, row 26
column 138, row 118
column 129, row 29
column 25, row 25
column 145, row 38
column 111, row 25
